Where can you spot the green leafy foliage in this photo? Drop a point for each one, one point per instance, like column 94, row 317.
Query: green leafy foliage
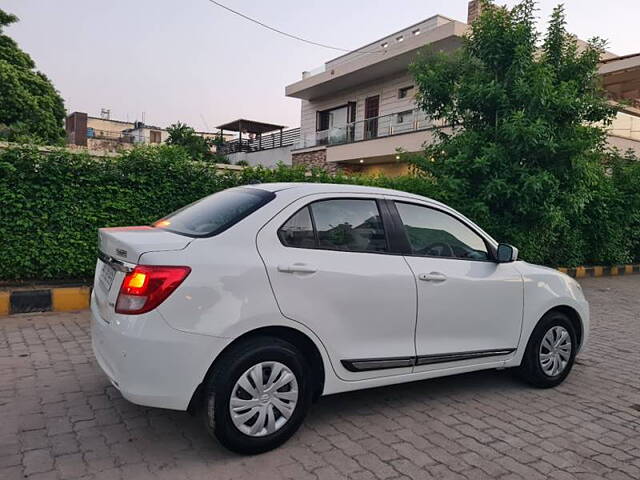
column 525, row 156
column 53, row 203
column 197, row 146
column 30, row 107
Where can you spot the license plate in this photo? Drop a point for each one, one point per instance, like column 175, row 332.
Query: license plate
column 106, row 277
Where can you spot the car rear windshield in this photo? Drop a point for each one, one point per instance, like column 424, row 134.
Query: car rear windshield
column 216, row 213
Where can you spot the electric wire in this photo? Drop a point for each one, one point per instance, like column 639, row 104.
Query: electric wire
column 290, row 35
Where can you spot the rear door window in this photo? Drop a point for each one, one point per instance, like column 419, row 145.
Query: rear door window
column 215, row 213
column 298, row 231
column 349, row 224
column 352, row 225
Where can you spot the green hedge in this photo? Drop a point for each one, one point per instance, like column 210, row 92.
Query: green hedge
column 52, row 203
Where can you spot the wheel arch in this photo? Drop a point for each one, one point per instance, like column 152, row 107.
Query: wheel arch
column 302, row 341
column 574, row 318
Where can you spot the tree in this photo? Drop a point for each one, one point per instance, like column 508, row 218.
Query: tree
column 527, row 131
column 198, row 147
column 30, row 106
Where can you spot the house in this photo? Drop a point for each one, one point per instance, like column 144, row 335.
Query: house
column 257, row 143
column 621, row 79
column 97, row 133
column 358, row 109
column 106, row 134
column 142, row 133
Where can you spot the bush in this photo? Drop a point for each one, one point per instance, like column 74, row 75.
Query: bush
column 53, row 203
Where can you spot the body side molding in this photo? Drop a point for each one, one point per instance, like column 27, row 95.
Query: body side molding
column 366, row 364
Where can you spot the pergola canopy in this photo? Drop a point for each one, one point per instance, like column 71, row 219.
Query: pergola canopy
column 250, row 126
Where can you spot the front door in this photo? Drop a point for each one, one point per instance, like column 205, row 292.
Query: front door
column 328, row 262
column 371, row 113
column 469, row 307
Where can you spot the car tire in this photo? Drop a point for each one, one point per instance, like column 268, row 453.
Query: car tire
column 277, row 412
column 550, row 352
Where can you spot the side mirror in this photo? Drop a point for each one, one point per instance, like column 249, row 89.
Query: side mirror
column 507, row 253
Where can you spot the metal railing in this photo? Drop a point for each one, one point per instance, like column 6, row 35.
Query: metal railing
column 368, row 129
column 266, row 142
column 109, row 135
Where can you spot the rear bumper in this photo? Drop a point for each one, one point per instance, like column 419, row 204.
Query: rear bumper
column 151, row 363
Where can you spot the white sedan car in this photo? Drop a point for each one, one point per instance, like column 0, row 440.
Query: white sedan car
column 255, row 301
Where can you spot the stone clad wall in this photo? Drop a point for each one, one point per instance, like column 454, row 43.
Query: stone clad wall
column 314, row 159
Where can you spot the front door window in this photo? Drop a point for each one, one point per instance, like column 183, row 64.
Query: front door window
column 436, row 234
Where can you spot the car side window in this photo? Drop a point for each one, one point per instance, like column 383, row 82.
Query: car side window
column 353, row 225
column 436, row 234
column 298, row 231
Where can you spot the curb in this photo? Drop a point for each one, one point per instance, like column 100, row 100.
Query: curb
column 59, row 299
column 66, row 299
column 599, row 271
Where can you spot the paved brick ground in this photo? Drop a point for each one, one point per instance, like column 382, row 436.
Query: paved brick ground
column 60, row 418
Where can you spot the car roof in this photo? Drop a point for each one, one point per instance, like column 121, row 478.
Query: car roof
column 302, row 189
column 308, row 188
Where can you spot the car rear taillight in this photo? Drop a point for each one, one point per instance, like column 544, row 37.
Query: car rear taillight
column 147, row 286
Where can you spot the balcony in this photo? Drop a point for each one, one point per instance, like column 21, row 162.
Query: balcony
column 120, row 137
column 369, row 129
column 261, row 142
column 626, row 126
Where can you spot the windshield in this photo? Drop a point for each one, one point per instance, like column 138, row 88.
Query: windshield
column 214, row 214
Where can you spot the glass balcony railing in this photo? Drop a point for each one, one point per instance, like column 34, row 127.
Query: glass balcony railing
column 369, row 129
column 625, row 125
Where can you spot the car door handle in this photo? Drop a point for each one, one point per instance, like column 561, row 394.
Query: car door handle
column 297, row 268
column 435, row 277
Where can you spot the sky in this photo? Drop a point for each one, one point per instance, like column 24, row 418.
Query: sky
column 191, row 61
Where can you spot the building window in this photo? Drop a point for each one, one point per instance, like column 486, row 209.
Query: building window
column 404, row 91
column 384, row 45
column 400, row 38
column 404, row 117
column 334, row 118
column 155, row 136
column 416, row 31
column 335, row 125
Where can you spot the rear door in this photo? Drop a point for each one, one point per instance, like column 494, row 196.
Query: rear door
column 329, row 262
